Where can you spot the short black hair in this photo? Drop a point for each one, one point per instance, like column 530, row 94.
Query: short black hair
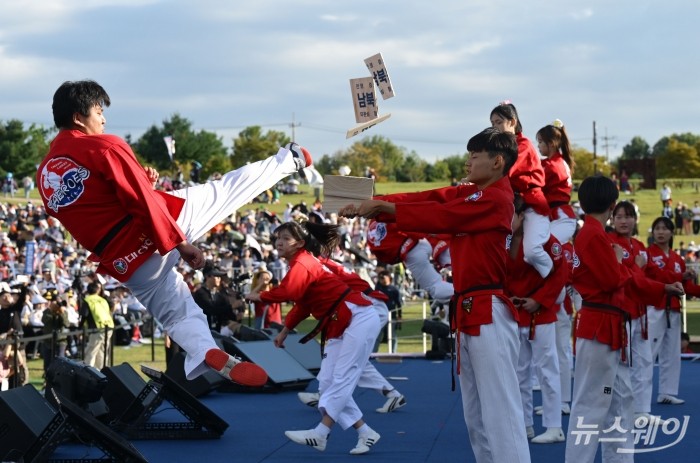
column 496, row 143
column 77, row 97
column 93, row 287
column 597, row 193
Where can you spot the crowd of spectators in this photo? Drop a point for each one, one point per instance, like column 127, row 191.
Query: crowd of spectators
column 38, row 257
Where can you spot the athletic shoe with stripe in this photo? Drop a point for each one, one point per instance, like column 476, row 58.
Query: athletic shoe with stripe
column 308, row 437
column 392, row 403
column 669, row 400
column 364, row 443
column 302, row 157
column 309, row 398
column 235, row 369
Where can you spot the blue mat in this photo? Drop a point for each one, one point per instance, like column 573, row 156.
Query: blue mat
column 430, row 428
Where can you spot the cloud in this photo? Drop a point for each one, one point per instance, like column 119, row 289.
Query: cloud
column 582, row 14
column 225, row 66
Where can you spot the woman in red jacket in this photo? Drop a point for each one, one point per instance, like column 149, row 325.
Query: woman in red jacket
column 346, row 319
column 527, row 178
column 558, row 164
column 667, row 266
column 624, row 217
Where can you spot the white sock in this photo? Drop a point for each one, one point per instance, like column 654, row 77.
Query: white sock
column 364, row 430
column 322, row 430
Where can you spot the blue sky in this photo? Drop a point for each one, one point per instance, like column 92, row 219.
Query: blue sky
column 632, row 66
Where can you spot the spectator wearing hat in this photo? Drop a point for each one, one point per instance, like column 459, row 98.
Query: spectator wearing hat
column 219, row 303
column 95, row 311
column 48, row 281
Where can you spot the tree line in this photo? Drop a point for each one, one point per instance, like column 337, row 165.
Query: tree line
column 22, row 149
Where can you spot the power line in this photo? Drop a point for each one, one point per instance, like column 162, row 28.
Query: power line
column 607, row 143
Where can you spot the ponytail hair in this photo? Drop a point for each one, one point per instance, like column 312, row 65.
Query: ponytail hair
column 555, row 134
column 507, row 110
column 319, row 239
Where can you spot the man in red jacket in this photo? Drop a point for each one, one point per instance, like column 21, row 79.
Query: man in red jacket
column 478, row 216
column 602, row 386
column 93, row 184
column 537, row 300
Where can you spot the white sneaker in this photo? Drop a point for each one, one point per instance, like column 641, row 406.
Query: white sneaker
column 550, row 436
column 538, row 410
column 365, row 443
column 643, row 419
column 669, row 400
column 530, row 432
column 308, row 437
column 309, row 398
column 302, row 157
column 392, row 403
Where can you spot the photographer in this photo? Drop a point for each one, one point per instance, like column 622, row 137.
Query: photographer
column 55, row 319
column 220, row 303
column 11, row 360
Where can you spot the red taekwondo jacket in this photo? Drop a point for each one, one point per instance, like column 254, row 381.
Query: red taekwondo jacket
column 96, row 188
column 480, row 224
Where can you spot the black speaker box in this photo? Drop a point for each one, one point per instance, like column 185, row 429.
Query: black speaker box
column 89, row 430
column 132, row 402
column 24, row 415
column 199, row 386
column 31, row 430
column 125, row 394
column 282, row 368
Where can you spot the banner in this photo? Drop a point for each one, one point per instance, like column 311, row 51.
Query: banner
column 29, row 253
column 170, row 145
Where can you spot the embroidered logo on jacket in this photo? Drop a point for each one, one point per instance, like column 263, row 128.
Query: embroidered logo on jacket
column 376, row 233
column 62, row 182
column 556, row 249
column 576, row 260
column 659, row 261
column 121, row 265
column 474, row 196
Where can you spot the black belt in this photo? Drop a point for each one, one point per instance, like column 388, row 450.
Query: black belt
column 479, row 288
column 111, row 234
column 323, row 321
column 608, row 308
column 604, row 307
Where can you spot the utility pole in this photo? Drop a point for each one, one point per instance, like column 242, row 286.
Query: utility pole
column 595, row 142
column 294, row 125
column 607, row 144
